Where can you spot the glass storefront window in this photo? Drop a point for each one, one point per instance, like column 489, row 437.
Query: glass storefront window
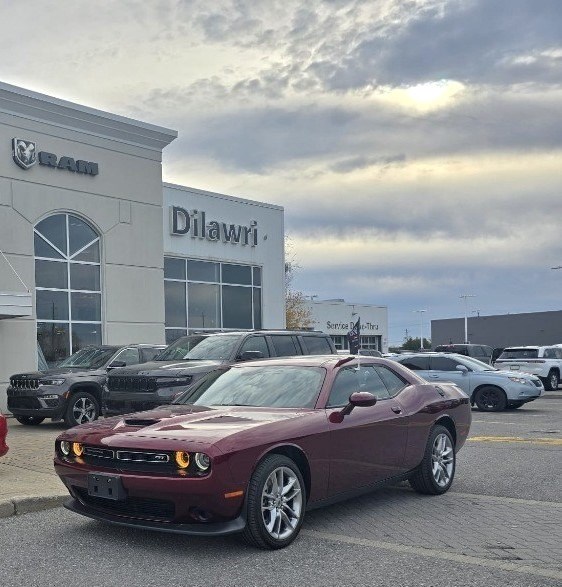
column 236, row 307
column 174, row 299
column 216, row 296
column 67, row 285
column 204, row 305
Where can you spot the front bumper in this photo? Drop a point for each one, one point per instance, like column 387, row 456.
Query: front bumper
column 43, row 402
column 210, row 529
column 116, row 403
column 193, row 505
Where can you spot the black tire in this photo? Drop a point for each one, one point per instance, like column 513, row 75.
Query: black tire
column 552, row 380
column 80, row 403
column 490, row 399
column 29, row 420
column 423, row 480
column 513, row 406
column 256, row 532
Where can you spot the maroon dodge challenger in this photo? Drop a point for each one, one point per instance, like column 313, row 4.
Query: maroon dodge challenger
column 251, row 448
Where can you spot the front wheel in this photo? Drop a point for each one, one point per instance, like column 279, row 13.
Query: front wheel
column 29, row 420
column 490, row 399
column 552, row 381
column 82, row 408
column 275, row 503
column 437, row 470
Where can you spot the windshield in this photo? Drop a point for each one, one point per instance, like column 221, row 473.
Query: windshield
column 519, row 354
column 475, row 364
column 179, row 349
column 89, row 358
column 270, row 387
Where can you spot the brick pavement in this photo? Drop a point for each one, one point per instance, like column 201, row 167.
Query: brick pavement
column 516, row 531
column 520, row 531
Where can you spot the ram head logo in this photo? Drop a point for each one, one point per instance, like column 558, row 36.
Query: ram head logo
column 24, row 153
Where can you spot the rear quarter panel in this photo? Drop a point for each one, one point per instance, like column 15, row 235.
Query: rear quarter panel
column 424, row 407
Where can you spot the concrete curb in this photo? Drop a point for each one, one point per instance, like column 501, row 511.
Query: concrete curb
column 25, row 504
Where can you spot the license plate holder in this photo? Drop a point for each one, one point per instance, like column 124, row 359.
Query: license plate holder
column 514, row 367
column 106, row 486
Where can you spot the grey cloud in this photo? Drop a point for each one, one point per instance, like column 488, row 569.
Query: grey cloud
column 266, row 138
column 467, row 41
column 362, row 161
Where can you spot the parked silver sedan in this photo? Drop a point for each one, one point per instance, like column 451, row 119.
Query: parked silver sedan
column 490, row 389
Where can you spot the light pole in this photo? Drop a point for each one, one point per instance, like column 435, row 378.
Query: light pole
column 420, row 312
column 465, row 298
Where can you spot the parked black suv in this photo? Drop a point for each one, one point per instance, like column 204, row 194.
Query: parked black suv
column 72, row 391
column 189, row 358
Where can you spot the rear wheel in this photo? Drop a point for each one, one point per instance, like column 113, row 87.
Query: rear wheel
column 490, row 399
column 437, row 470
column 275, row 503
column 82, row 408
column 29, row 420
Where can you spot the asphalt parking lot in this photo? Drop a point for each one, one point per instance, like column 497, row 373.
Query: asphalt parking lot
column 500, row 524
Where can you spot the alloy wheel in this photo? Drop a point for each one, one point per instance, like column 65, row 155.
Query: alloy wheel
column 442, row 460
column 281, row 503
column 84, row 410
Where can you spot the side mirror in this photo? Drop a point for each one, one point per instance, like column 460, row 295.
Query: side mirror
column 250, row 355
column 462, row 368
column 116, row 364
column 358, row 399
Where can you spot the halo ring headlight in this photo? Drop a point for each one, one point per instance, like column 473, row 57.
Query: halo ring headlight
column 182, row 459
column 202, row 461
column 77, row 449
column 65, row 447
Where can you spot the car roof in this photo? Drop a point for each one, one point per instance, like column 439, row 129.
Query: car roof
column 433, row 354
column 265, row 332
column 316, row 361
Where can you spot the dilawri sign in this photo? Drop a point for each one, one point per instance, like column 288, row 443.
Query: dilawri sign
column 25, row 155
column 197, row 225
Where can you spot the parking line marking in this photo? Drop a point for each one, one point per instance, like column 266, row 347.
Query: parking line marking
column 549, row 441
column 439, row 554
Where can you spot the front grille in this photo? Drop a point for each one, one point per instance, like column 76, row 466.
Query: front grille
column 129, row 460
column 23, row 403
column 136, row 507
column 98, row 453
column 21, row 383
column 128, row 383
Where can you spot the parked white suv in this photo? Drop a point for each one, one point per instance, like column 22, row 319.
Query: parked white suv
column 543, row 361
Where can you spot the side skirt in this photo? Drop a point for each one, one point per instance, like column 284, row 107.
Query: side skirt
column 357, row 492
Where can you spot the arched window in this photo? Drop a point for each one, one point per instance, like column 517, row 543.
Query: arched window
column 67, row 285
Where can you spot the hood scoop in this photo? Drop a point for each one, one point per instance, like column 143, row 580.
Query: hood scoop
column 140, row 421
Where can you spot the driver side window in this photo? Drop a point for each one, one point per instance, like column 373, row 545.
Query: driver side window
column 255, row 343
column 128, row 356
column 350, row 380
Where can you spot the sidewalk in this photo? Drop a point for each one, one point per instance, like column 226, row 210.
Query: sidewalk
column 27, row 470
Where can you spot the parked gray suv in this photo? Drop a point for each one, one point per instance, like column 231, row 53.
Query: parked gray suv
column 185, row 361
column 72, row 391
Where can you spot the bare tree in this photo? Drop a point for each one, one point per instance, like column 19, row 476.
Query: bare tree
column 297, row 314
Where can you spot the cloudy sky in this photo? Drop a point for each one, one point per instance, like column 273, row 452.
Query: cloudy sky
column 416, row 145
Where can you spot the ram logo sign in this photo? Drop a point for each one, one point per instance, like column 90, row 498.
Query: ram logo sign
column 25, row 155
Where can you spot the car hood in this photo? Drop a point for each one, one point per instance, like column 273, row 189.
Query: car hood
column 197, row 425
column 163, row 368
column 75, row 371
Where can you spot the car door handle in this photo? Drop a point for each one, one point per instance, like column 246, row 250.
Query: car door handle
column 396, row 409
column 433, row 376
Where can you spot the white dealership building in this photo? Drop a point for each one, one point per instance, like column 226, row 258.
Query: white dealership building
column 337, row 317
column 95, row 249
